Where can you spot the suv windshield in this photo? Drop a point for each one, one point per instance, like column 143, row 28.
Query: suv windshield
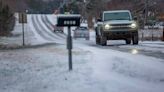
column 82, row 28
column 117, row 16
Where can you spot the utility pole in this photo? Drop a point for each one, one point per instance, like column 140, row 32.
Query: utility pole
column 146, row 12
column 163, row 33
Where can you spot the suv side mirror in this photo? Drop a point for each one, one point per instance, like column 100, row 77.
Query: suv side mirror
column 135, row 18
column 99, row 20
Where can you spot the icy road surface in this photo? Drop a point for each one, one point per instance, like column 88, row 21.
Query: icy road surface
column 45, row 69
column 112, row 68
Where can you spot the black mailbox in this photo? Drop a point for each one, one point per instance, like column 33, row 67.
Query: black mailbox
column 68, row 20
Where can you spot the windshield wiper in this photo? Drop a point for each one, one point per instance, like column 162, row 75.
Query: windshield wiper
column 116, row 19
column 121, row 19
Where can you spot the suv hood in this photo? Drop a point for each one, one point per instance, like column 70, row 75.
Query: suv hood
column 119, row 22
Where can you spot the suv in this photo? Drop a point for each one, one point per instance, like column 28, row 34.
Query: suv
column 116, row 25
column 81, row 32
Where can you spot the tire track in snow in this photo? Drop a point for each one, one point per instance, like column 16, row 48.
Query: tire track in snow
column 43, row 30
column 58, row 34
column 47, row 31
column 38, row 30
column 50, row 27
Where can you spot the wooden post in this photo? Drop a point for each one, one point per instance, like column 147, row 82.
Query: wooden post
column 23, row 20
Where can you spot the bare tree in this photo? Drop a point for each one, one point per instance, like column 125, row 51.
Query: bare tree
column 93, row 8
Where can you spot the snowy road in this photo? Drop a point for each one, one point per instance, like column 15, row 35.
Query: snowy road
column 144, row 48
column 112, row 68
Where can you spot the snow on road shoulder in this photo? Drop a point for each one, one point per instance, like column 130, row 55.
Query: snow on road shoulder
column 16, row 39
column 154, row 46
column 31, row 37
column 46, row 70
column 133, row 73
column 94, row 70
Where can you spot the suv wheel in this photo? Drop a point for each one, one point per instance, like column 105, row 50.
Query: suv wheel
column 87, row 38
column 135, row 38
column 128, row 41
column 103, row 41
column 97, row 40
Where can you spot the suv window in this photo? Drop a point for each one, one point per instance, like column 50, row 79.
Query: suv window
column 117, row 16
column 82, row 28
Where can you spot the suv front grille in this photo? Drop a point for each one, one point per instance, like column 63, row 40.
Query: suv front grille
column 120, row 26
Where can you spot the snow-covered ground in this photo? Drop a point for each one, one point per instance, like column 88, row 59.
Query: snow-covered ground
column 113, row 68
column 151, row 34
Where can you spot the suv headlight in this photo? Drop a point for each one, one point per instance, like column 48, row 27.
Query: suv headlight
column 107, row 26
column 133, row 25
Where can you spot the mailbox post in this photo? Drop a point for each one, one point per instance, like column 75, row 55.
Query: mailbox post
column 23, row 20
column 69, row 47
column 69, row 21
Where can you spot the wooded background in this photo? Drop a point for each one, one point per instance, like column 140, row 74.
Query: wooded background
column 90, row 9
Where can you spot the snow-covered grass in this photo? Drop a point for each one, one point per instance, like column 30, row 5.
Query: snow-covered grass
column 151, row 34
column 16, row 40
column 94, row 70
column 46, row 70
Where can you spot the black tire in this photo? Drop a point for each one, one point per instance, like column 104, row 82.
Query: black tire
column 97, row 40
column 87, row 38
column 128, row 41
column 74, row 37
column 61, row 31
column 135, row 38
column 103, row 41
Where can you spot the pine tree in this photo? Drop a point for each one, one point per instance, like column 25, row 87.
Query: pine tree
column 7, row 20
